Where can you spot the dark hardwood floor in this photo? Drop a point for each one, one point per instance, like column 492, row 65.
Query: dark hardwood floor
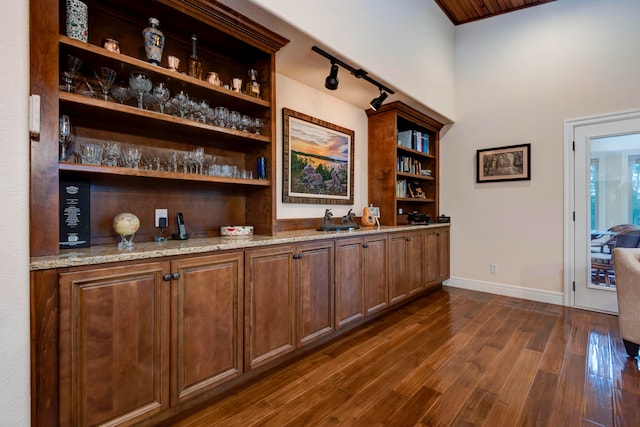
column 457, row 358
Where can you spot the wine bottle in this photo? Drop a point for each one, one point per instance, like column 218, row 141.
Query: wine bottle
column 195, row 66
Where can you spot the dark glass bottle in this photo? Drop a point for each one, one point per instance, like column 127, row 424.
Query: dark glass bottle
column 194, row 66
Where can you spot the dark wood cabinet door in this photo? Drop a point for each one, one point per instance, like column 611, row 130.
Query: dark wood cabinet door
column 114, row 344
column 430, row 260
column 376, row 277
column 349, row 281
column 315, row 279
column 398, row 287
column 269, row 299
column 206, row 322
column 443, row 253
column 414, row 274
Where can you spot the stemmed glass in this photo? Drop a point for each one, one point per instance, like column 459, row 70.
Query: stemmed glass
column 234, row 119
column 222, row 116
column 105, row 77
column 140, row 84
column 161, row 93
column 69, row 75
column 258, row 123
column 65, row 137
column 120, row 91
column 245, row 123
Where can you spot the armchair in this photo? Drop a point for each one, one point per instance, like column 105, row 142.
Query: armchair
column 627, row 269
column 604, row 262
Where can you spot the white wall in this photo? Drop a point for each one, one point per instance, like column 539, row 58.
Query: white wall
column 303, row 99
column 408, row 43
column 518, row 77
column 14, row 209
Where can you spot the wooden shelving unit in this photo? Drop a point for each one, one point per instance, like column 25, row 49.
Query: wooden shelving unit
column 227, row 43
column 387, row 170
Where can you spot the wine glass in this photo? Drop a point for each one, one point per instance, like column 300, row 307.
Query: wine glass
column 106, row 77
column 70, row 73
column 120, row 91
column 222, row 116
column 65, row 137
column 258, row 123
column 234, row 119
column 245, row 123
column 140, row 84
column 161, row 93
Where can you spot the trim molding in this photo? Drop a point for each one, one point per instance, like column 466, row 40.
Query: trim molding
column 539, row 295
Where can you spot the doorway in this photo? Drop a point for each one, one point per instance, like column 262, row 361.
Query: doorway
column 602, row 183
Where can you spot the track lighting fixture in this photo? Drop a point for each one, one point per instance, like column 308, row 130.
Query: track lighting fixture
column 332, row 81
column 377, row 102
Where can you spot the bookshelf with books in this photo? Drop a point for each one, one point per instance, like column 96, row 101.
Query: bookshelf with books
column 403, row 162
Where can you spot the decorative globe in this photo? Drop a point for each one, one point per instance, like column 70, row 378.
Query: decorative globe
column 126, row 224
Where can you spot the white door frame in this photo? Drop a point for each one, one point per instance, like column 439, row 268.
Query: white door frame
column 569, row 199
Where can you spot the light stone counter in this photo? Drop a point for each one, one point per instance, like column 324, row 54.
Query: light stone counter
column 147, row 250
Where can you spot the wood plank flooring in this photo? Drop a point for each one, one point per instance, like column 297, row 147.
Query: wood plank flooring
column 452, row 358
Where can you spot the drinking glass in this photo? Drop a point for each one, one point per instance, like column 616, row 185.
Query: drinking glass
column 234, row 119
column 65, row 137
column 70, row 73
column 111, row 153
column 106, row 77
column 140, row 84
column 258, row 123
column 120, row 91
column 222, row 116
column 245, row 122
column 91, row 154
column 131, row 157
column 162, row 94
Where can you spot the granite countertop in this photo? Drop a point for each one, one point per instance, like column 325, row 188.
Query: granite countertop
column 147, row 250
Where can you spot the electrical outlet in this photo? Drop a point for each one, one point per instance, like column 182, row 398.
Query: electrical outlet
column 161, row 213
column 493, row 268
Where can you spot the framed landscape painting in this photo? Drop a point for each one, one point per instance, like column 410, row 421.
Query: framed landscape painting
column 510, row 163
column 318, row 161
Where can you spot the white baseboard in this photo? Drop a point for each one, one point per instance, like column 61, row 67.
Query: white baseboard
column 507, row 290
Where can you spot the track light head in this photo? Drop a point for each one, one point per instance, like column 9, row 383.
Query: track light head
column 377, row 102
column 332, row 81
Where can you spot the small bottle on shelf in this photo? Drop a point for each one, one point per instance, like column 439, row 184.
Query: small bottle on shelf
column 153, row 41
column 195, row 66
column 253, row 87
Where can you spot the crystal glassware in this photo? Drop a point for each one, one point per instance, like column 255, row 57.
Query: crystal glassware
column 111, row 153
column 131, row 157
column 245, row 123
column 258, row 124
column 140, row 84
column 162, row 94
column 234, row 119
column 120, row 91
column 70, row 73
column 106, row 77
column 65, row 137
column 222, row 116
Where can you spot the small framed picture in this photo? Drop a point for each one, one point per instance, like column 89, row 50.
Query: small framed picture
column 509, row 163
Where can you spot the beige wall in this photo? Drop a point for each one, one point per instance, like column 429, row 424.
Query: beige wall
column 518, row 77
column 14, row 227
column 318, row 104
column 407, row 43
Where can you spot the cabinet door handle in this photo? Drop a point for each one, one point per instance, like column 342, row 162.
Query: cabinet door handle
column 408, row 239
column 175, row 276
column 297, row 256
column 365, row 245
column 166, row 277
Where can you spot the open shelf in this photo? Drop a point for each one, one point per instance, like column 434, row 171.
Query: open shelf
column 113, row 111
column 144, row 173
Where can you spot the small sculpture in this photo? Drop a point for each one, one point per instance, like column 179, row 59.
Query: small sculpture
column 346, row 222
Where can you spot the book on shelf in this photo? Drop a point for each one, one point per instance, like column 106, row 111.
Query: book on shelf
column 414, row 140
